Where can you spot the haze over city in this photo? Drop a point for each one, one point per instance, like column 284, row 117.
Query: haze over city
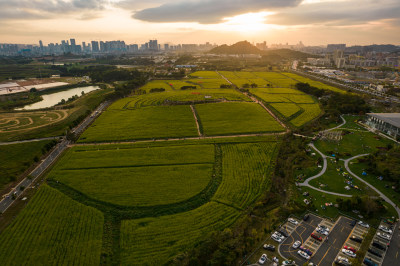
column 315, row 22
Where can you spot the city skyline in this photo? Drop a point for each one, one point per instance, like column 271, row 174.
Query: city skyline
column 314, row 22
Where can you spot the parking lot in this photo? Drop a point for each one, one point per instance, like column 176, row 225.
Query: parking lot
column 392, row 256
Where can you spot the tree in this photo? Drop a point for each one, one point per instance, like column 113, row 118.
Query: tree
column 33, row 90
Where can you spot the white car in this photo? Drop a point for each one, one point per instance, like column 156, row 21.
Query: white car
column 323, row 227
column 293, row 221
column 323, row 232
column 303, row 254
column 275, row 259
column 385, row 229
column 276, row 238
column 340, row 258
column 296, row 244
column 383, row 235
column 363, row 224
column 263, row 259
column 349, row 253
column 288, row 262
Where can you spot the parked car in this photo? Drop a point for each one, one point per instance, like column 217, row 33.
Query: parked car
column 283, row 233
column 293, row 221
column 383, row 235
column 356, row 239
column 323, row 227
column 322, row 232
column 276, row 238
column 288, row 262
column 296, row 244
column 275, row 259
column 269, row 247
column 316, row 237
column 305, row 218
column 385, row 229
column 343, row 258
column 379, row 245
column 303, row 254
column 350, row 248
column 342, row 263
column 263, row 259
column 353, row 223
column 369, row 262
column 363, row 224
column 308, row 251
column 348, row 253
column 376, row 252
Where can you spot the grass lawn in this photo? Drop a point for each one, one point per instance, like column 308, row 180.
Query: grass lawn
column 334, row 181
column 353, row 144
column 351, row 122
column 53, row 230
column 235, row 118
column 382, row 185
column 143, row 123
column 16, row 158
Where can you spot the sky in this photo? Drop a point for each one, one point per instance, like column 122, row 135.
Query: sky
column 314, row 22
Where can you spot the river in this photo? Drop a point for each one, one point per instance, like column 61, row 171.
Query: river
column 52, row 99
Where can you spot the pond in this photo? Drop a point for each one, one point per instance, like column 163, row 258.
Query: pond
column 52, row 99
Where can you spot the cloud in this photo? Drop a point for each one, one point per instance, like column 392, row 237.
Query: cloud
column 208, row 11
column 337, row 13
column 42, row 9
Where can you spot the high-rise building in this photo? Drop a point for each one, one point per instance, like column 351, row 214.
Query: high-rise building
column 41, row 45
column 95, row 46
column 72, row 42
column 153, row 45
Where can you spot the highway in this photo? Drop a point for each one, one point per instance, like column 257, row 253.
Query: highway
column 19, row 189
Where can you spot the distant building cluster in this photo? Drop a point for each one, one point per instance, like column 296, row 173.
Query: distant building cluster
column 97, row 47
column 337, row 56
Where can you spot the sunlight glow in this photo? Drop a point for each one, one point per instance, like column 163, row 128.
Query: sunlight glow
column 249, row 22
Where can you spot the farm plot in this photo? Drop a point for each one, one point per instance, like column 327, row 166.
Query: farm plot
column 286, row 109
column 153, row 241
column 209, row 83
column 243, row 182
column 229, row 74
column 314, row 83
column 140, row 176
column 178, row 84
column 311, row 111
column 206, row 75
column 16, row 122
column 157, row 84
column 178, row 97
column 235, row 118
column 16, row 158
column 144, row 123
column 277, row 79
column 53, row 230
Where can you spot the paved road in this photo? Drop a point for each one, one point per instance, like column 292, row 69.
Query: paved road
column 28, row 140
column 302, row 232
column 326, row 254
column 392, row 256
column 18, row 190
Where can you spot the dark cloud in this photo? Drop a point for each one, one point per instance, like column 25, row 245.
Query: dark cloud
column 340, row 13
column 208, row 11
column 40, row 9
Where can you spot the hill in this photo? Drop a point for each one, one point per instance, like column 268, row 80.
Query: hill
column 243, row 47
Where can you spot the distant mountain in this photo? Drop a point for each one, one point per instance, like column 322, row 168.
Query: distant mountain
column 243, row 47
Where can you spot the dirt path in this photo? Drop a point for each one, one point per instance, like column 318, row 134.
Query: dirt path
column 197, row 120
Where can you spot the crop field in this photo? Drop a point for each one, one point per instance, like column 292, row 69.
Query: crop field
column 144, row 123
column 277, row 79
column 186, row 96
column 53, row 230
column 157, row 84
column 314, row 83
column 311, row 111
column 233, row 118
column 152, row 241
column 209, row 83
column 23, row 121
column 206, row 75
column 286, row 109
column 229, row 74
column 246, row 75
column 244, row 182
column 16, row 158
column 178, row 84
column 140, row 176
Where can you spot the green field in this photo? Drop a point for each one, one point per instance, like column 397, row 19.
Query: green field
column 16, row 158
column 236, row 118
column 314, row 83
column 243, row 182
column 214, row 83
column 159, row 84
column 140, row 176
column 206, row 75
column 286, row 109
column 53, row 230
column 152, row 241
column 144, row 123
column 311, row 111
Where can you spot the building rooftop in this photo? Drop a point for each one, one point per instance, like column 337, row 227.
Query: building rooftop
column 391, row 118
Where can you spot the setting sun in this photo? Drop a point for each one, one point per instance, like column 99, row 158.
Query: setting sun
column 249, row 22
